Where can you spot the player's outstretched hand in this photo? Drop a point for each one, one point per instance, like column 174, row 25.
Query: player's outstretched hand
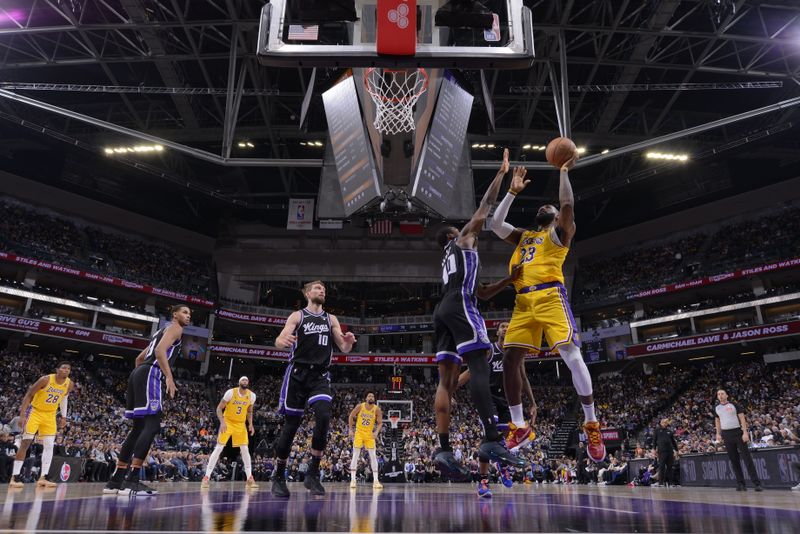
column 350, row 338
column 518, row 181
column 570, row 163
column 505, row 166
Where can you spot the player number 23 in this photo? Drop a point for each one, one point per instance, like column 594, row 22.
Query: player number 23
column 526, row 254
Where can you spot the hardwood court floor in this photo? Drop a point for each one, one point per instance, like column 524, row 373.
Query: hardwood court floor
column 226, row 507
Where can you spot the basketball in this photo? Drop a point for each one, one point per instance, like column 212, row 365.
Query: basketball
column 559, row 151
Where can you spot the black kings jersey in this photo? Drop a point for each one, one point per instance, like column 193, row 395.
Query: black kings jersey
column 496, row 368
column 150, row 354
column 314, row 345
column 459, row 269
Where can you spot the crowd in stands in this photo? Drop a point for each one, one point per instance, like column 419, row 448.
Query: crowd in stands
column 737, row 245
column 769, row 395
column 30, row 232
column 633, row 402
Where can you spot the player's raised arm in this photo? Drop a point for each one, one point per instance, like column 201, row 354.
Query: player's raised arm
column 475, row 224
column 344, row 341
column 287, row 338
column 499, row 226
column 566, row 214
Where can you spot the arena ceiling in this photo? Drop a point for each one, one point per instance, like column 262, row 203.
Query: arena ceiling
column 636, row 70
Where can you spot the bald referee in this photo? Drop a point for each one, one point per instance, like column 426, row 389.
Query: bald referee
column 732, row 430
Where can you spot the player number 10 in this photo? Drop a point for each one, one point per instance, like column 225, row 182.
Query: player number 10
column 323, row 340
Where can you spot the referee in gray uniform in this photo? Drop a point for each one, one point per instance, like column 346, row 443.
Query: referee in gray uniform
column 732, row 430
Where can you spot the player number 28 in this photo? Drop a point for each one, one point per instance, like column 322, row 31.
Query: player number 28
column 51, row 399
column 526, row 254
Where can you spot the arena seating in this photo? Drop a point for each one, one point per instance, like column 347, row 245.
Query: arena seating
column 29, row 232
column 733, row 246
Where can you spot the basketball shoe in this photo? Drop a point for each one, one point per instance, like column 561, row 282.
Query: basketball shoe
column 519, row 437
column 483, row 489
column 204, row 483
column 448, row 465
column 596, row 449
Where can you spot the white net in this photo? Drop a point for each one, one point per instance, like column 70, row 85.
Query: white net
column 395, row 92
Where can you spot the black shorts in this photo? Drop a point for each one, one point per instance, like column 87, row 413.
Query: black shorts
column 303, row 384
column 459, row 327
column 145, row 392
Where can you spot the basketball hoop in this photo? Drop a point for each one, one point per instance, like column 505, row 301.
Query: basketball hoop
column 395, row 92
column 394, row 417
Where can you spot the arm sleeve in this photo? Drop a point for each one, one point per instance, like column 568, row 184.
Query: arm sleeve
column 64, row 407
column 252, row 398
column 228, row 395
column 499, row 225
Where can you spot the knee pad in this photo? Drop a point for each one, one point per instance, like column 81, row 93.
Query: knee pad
column 322, row 417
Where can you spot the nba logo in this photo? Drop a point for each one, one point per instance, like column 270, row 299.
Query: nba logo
column 65, row 472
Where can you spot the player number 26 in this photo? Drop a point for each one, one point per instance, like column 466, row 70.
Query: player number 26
column 526, row 254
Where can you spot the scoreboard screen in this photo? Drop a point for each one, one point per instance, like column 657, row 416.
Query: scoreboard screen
column 396, row 384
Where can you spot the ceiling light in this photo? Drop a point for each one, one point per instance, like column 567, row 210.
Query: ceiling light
column 605, row 151
column 667, row 156
column 318, row 143
column 490, row 146
column 526, row 147
column 240, row 144
column 475, row 145
column 31, row 345
column 665, row 363
column 133, row 149
column 250, row 145
column 581, row 149
column 542, row 147
column 483, row 145
column 700, row 358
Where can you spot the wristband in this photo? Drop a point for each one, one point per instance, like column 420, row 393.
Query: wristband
column 510, row 192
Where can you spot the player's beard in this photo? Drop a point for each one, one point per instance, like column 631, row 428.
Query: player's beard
column 370, row 401
column 318, row 300
column 545, row 218
column 243, row 386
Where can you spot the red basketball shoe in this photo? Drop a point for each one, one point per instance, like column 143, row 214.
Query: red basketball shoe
column 595, row 446
column 519, row 437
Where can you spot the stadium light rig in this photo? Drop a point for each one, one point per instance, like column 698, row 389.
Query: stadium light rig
column 669, row 157
column 138, row 149
column 245, row 144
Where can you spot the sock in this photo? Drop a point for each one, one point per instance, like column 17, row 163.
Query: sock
column 213, row 459
column 444, row 441
column 17, row 467
column 354, row 463
column 517, row 416
column 313, row 467
column 280, row 469
column 248, row 465
column 373, row 457
column 588, row 412
column 47, row 455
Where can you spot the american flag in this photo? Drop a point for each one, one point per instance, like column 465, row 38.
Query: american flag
column 298, row 32
column 381, row 228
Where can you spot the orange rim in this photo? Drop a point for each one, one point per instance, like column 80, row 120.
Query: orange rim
column 394, row 100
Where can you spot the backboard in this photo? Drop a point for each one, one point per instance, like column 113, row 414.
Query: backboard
column 320, row 33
